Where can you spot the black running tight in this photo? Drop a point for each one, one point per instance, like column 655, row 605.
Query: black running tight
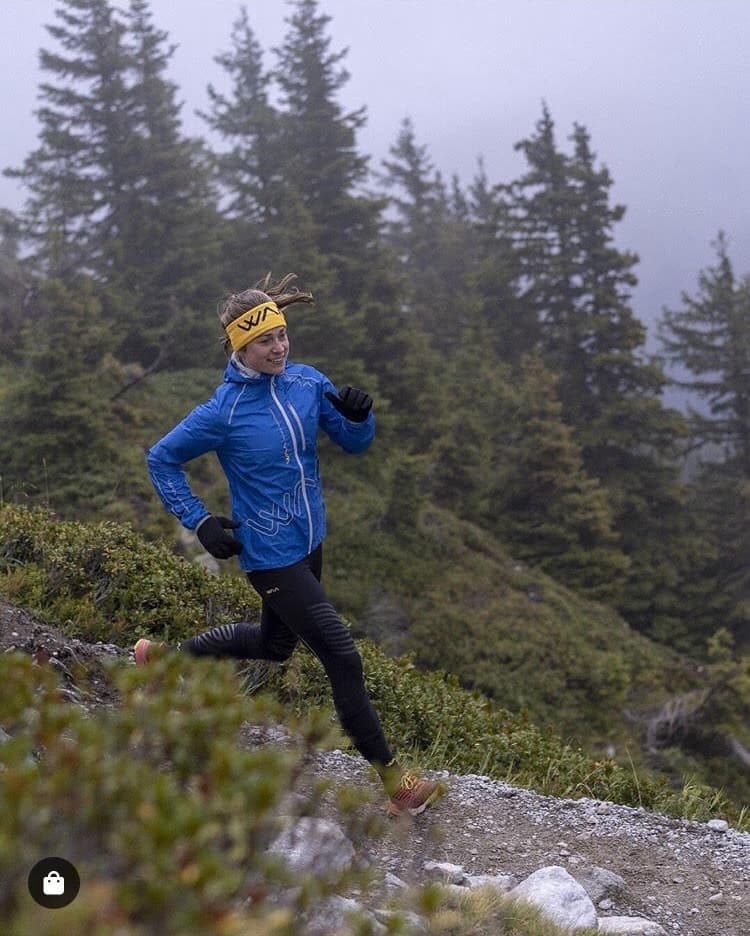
column 295, row 607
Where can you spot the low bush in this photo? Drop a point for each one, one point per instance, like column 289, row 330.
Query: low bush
column 166, row 818
column 103, row 581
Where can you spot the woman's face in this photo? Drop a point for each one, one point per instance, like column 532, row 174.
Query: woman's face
column 268, row 353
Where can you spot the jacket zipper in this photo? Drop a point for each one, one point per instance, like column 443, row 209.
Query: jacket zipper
column 290, row 428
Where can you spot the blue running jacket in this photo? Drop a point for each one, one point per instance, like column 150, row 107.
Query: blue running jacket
column 264, row 431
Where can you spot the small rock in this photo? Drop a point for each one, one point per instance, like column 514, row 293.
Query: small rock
column 718, row 825
column 393, row 880
column 391, row 918
column 629, row 926
column 502, row 882
column 599, row 883
column 444, row 871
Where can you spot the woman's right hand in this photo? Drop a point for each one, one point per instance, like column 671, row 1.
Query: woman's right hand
column 214, row 539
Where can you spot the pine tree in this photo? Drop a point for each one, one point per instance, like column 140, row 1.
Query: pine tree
column 494, row 276
column 397, row 350
column 14, row 287
column 544, row 505
column 61, row 441
column 169, row 249
column 256, row 195
column 464, row 451
column 411, row 178
column 430, row 235
column 709, row 340
column 577, row 280
column 718, row 593
column 542, row 208
column 579, row 284
column 297, row 203
column 613, row 335
column 77, row 175
column 115, row 191
column 320, row 159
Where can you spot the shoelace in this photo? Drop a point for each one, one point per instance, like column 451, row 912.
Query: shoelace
column 408, row 782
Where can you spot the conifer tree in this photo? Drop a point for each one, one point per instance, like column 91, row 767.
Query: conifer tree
column 542, row 211
column 511, row 325
column 545, row 506
column 320, row 159
column 115, row 191
column 465, row 450
column 76, row 176
column 716, row 590
column 577, row 280
column 430, row 235
column 398, row 351
column 579, row 284
column 411, row 179
column 170, row 245
column 297, row 202
column 14, row 286
column 709, row 340
column 267, row 224
column 61, row 442
column 257, row 201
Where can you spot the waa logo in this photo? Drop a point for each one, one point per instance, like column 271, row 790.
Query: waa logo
column 256, row 318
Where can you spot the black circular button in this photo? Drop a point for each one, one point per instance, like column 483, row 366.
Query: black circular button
column 54, row 883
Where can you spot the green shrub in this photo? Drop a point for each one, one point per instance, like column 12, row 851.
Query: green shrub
column 165, row 817
column 103, row 581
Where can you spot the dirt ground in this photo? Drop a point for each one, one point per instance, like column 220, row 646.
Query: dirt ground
column 693, row 880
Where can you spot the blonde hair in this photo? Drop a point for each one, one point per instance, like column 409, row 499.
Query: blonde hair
column 234, row 304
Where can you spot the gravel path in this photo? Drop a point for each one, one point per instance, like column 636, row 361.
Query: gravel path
column 690, row 878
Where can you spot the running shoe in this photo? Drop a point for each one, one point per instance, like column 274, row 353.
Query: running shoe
column 414, row 794
column 145, row 651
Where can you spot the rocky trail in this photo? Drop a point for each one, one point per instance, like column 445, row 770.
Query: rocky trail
column 674, row 876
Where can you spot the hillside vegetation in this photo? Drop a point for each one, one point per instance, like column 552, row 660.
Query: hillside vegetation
column 103, row 581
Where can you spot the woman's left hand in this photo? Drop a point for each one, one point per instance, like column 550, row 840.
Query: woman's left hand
column 352, row 403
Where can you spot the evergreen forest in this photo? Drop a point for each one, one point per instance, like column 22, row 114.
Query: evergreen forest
column 533, row 518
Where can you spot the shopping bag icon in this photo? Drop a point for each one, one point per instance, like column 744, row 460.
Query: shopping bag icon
column 53, row 883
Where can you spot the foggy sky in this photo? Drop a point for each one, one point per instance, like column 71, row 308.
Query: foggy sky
column 663, row 86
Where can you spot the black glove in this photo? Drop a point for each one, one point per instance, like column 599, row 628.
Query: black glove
column 214, row 540
column 352, row 403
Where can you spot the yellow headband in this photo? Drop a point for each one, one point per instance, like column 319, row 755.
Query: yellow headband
column 254, row 323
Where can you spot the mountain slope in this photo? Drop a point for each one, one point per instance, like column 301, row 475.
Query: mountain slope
column 681, row 874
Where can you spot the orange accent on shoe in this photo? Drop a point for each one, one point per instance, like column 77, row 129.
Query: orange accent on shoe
column 414, row 794
column 141, row 651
